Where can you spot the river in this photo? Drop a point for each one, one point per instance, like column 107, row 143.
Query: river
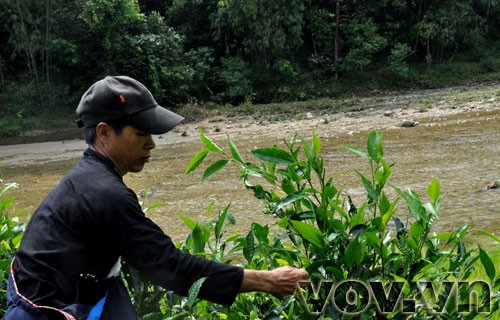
column 456, row 143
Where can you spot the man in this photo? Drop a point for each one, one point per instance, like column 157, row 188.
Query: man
column 67, row 266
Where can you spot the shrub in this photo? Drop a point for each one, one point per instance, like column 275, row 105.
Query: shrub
column 398, row 267
column 10, row 237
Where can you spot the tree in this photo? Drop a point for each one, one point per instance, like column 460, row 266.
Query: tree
column 261, row 31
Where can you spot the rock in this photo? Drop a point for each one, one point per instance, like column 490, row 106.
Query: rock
column 408, row 123
column 493, row 185
column 388, row 113
column 309, row 115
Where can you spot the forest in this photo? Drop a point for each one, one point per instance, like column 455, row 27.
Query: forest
column 217, row 55
column 231, row 52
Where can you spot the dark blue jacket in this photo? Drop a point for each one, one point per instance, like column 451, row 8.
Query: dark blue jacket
column 81, row 229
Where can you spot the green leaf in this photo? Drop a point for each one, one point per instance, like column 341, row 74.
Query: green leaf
column 390, row 212
column 196, row 160
column 368, row 186
column 486, row 233
column 194, row 290
column 355, row 251
column 412, row 243
column 200, row 238
column 289, row 199
column 249, row 248
column 433, row 190
column 373, row 238
column 234, row 151
column 416, row 230
column 209, row 143
column 356, row 151
column 380, row 175
column 213, row 168
column 309, row 233
column 488, row 265
column 338, row 208
column 443, row 236
column 316, row 143
column 415, row 206
column 461, row 232
column 190, row 223
column 292, row 173
column 7, row 187
column 274, row 155
column 220, row 222
column 374, row 145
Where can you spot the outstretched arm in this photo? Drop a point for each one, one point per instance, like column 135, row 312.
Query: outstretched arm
column 279, row 282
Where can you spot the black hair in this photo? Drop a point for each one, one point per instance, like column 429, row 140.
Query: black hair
column 89, row 134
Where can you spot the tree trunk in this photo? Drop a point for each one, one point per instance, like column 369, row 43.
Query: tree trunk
column 336, row 43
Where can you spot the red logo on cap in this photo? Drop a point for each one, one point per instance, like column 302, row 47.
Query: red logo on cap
column 122, row 98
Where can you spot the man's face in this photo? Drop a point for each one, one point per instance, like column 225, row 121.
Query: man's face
column 130, row 149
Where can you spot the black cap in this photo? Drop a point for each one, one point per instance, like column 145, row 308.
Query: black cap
column 123, row 97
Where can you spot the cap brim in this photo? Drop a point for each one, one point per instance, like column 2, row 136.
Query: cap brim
column 156, row 120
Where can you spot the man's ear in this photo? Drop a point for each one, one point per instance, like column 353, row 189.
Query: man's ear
column 102, row 131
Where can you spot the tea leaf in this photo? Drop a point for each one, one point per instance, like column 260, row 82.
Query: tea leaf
column 368, row 186
column 209, row 143
column 390, row 212
column 416, row 230
column 486, row 233
column 200, row 238
column 488, row 265
column 190, row 223
column 380, row 175
column 356, row 151
column 316, row 143
column 213, row 168
column 355, row 251
column 461, row 232
column 194, row 290
column 274, row 155
column 433, row 190
column 220, row 222
column 338, row 208
column 249, row 247
column 290, row 199
column 443, row 236
column 234, row 151
column 310, row 233
column 415, row 206
column 374, row 145
column 412, row 243
column 7, row 187
column 196, row 160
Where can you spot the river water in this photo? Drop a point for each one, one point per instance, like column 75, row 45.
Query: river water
column 462, row 150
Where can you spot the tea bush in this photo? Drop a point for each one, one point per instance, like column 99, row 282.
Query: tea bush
column 405, row 270
column 10, row 238
column 367, row 260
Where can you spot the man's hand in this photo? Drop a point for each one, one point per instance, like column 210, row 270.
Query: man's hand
column 279, row 282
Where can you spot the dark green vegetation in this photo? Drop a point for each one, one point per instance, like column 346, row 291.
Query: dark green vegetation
column 383, row 235
column 211, row 53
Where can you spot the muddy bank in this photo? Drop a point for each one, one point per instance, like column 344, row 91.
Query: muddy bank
column 453, row 135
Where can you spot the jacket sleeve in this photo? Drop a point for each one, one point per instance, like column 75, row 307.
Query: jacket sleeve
column 148, row 249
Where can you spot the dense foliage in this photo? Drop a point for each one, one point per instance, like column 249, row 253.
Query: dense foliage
column 235, row 50
column 380, row 243
column 399, row 267
column 11, row 232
